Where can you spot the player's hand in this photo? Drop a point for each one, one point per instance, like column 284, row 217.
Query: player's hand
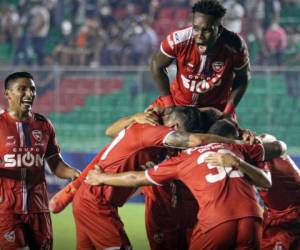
column 94, row 176
column 249, row 136
column 222, row 159
column 157, row 109
column 76, row 173
column 148, row 117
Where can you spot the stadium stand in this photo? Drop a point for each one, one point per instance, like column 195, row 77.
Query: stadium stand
column 81, row 105
column 92, row 100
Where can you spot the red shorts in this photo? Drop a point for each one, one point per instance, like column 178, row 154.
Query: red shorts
column 98, row 224
column 238, row 234
column 169, row 228
column 25, row 230
column 281, row 237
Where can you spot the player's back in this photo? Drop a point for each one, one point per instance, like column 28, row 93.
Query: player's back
column 134, row 149
column 223, row 193
column 285, row 190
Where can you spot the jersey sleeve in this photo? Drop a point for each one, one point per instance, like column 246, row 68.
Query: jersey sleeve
column 155, row 135
column 241, row 57
column 52, row 147
column 164, row 172
column 254, row 153
column 170, row 46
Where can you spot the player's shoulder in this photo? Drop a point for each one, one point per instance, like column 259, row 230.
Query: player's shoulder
column 43, row 119
column 232, row 40
column 181, row 35
column 40, row 117
column 135, row 129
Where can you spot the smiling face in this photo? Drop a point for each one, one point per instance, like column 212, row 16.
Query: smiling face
column 20, row 96
column 205, row 30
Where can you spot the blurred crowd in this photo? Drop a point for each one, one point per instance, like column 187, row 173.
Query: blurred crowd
column 127, row 32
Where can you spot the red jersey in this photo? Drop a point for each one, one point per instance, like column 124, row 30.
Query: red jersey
column 135, row 148
column 285, row 190
column 222, row 193
column 204, row 80
column 24, row 147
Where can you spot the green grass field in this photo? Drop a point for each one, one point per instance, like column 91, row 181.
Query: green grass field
column 132, row 215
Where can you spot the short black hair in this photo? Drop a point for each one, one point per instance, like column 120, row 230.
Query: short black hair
column 191, row 118
column 210, row 116
column 225, row 128
column 9, row 79
column 210, row 7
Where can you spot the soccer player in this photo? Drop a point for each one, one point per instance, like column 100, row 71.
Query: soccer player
column 281, row 226
column 170, row 210
column 229, row 215
column 169, row 227
column 95, row 209
column 27, row 141
column 212, row 62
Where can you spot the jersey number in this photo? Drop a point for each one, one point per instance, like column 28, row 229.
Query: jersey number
column 113, row 144
column 222, row 170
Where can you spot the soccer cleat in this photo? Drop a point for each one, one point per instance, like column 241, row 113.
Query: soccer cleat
column 62, row 198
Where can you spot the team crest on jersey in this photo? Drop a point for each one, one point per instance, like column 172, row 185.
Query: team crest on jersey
column 218, row 66
column 10, row 140
column 37, row 135
column 10, row 236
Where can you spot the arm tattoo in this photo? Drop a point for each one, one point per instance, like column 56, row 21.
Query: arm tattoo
column 178, row 139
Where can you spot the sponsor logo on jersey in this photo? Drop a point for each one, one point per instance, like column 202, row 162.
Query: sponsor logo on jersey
column 202, row 85
column 10, row 141
column 218, row 66
column 190, row 67
column 10, row 236
column 25, row 159
column 37, row 135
